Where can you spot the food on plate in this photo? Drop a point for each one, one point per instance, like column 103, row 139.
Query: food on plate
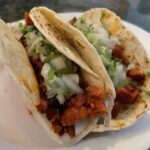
column 61, row 90
column 125, row 60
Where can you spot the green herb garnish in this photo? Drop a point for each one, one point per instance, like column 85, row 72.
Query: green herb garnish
column 51, row 74
column 21, row 27
column 36, row 51
column 148, row 74
column 138, row 87
column 27, row 29
column 81, row 25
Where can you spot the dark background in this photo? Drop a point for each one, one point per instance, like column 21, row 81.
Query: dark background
column 134, row 11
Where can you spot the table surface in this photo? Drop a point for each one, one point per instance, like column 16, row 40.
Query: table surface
column 134, row 11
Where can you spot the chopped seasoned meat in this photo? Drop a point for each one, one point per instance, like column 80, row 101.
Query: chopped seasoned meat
column 43, row 106
column 117, row 52
column 27, row 19
column 127, row 95
column 71, row 131
column 52, row 114
column 72, row 115
column 42, row 89
column 116, row 109
column 135, row 92
column 23, row 41
column 82, row 83
column 77, row 101
column 37, row 63
column 136, row 75
column 73, row 20
column 94, row 91
column 123, row 96
column 54, row 103
column 95, row 107
column 130, row 88
column 57, row 127
column 87, row 103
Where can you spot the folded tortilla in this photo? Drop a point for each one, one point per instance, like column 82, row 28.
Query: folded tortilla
column 133, row 52
column 70, row 42
column 61, row 35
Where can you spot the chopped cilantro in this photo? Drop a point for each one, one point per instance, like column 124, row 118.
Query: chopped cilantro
column 148, row 74
column 51, row 74
column 138, row 87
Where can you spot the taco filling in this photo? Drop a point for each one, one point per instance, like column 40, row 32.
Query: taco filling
column 127, row 78
column 65, row 97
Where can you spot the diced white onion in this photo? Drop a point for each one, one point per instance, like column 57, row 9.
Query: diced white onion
column 74, row 77
column 30, row 37
column 98, row 29
column 49, row 92
column 35, row 42
column 42, row 57
column 60, row 82
column 101, row 33
column 58, row 63
column 120, row 75
column 60, row 98
column 130, row 66
column 43, row 53
column 74, row 88
column 45, row 69
column 109, row 42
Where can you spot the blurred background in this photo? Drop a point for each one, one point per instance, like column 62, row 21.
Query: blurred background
column 134, row 11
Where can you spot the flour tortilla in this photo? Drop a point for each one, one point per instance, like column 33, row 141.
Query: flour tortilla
column 16, row 61
column 68, row 39
column 135, row 53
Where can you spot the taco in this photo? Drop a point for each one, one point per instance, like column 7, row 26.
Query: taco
column 125, row 60
column 61, row 90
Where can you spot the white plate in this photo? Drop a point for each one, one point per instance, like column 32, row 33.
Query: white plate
column 19, row 130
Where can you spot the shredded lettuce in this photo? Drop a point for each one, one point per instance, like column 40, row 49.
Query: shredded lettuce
column 95, row 34
column 80, row 24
